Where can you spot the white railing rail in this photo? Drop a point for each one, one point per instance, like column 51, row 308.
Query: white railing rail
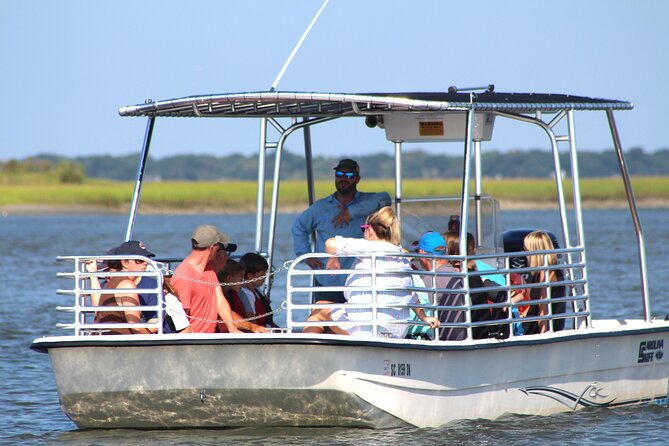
column 82, row 292
column 576, row 314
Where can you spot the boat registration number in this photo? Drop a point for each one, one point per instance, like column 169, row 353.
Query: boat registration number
column 396, row 368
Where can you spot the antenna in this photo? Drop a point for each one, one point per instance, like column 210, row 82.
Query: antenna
column 297, row 47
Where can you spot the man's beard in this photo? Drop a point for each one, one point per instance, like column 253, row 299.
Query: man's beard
column 344, row 188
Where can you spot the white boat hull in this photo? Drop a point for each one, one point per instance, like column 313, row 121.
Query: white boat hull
column 301, row 380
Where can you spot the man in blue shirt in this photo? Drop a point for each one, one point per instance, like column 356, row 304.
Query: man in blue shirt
column 341, row 213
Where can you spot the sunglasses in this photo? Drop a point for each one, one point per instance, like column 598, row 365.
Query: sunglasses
column 230, row 247
column 139, row 261
column 363, row 227
column 348, row 175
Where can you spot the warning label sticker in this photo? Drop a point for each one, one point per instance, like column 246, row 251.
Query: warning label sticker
column 431, row 128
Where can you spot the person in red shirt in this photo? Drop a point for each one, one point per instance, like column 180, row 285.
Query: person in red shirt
column 198, row 287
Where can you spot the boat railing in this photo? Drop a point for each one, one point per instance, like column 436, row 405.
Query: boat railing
column 302, row 293
column 86, row 293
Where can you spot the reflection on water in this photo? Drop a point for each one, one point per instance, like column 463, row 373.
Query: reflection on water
column 29, row 403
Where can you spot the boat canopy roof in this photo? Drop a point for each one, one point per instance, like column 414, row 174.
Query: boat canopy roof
column 297, row 104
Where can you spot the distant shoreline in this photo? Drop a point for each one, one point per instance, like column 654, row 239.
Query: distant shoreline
column 44, row 209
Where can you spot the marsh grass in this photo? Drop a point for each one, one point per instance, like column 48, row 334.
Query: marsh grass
column 232, row 196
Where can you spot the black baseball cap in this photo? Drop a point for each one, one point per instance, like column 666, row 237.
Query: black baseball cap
column 133, row 248
column 348, row 164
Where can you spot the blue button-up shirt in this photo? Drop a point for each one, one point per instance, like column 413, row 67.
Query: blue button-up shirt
column 318, row 217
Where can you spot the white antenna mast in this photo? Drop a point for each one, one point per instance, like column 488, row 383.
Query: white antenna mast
column 297, row 47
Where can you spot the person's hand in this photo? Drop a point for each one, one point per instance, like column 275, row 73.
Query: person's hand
column 259, row 329
column 91, row 266
column 343, row 218
column 314, row 263
column 433, row 321
column 233, row 329
column 333, row 263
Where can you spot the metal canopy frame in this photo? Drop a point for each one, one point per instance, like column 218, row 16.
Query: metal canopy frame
column 308, row 109
column 301, row 104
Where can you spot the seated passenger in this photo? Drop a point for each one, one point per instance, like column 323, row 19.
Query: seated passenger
column 433, row 243
column 255, row 269
column 517, row 295
column 540, row 241
column 175, row 319
column 477, row 298
column 480, row 265
column 381, row 234
column 230, row 278
column 446, row 298
column 198, row 287
column 124, row 298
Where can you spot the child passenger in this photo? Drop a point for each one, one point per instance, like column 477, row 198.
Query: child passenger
column 231, row 277
column 255, row 270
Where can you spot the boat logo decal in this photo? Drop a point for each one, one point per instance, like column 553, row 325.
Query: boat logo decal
column 396, row 368
column 650, row 351
column 570, row 399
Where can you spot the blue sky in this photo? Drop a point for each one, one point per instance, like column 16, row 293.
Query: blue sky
column 68, row 66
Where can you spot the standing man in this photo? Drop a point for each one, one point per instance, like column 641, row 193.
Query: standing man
column 341, row 213
column 197, row 285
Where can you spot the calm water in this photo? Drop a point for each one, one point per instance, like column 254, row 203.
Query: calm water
column 29, row 410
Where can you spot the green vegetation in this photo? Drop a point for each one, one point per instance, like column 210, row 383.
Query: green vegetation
column 416, row 164
column 240, row 196
column 41, row 171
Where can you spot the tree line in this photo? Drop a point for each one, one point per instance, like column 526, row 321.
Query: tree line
column 415, row 165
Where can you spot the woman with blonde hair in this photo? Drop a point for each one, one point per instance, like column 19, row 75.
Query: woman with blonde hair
column 381, row 233
column 541, row 241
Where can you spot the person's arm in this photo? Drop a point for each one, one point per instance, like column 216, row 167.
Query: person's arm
column 128, row 299
column 346, row 246
column 224, row 311
column 248, row 325
column 331, row 245
column 433, row 321
column 92, row 267
column 301, row 230
column 368, row 204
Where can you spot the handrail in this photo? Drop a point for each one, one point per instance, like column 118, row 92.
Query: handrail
column 573, row 282
column 82, row 293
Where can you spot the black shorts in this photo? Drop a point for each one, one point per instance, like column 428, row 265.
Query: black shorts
column 332, row 296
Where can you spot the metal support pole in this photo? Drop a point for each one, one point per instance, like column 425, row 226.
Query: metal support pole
column 311, row 193
column 140, row 177
column 466, row 176
column 556, row 163
column 635, row 215
column 398, row 179
column 308, row 158
column 275, row 189
column 260, row 204
column 478, row 188
column 578, row 212
column 464, row 210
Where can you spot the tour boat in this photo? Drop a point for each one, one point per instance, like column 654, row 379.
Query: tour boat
column 290, row 378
